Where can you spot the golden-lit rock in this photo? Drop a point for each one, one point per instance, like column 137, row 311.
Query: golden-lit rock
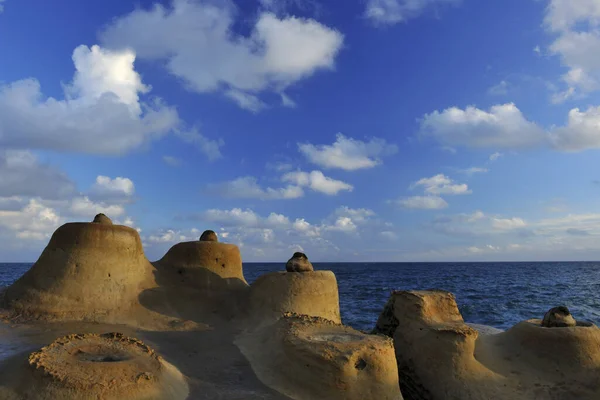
column 440, row 357
column 309, row 357
column 314, row 294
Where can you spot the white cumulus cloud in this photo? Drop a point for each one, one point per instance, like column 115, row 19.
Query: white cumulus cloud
column 503, row 126
column 347, row 153
column 101, row 112
column 119, row 188
column 317, row 181
column 197, row 42
column 441, row 184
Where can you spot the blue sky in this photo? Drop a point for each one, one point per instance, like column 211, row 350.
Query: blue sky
column 383, row 130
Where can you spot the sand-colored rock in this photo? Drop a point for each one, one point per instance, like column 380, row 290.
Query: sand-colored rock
column 314, row 294
column 440, row 357
column 108, row 366
column 208, row 265
column 88, row 271
column 558, row 317
column 102, row 219
column 299, row 263
column 313, row 358
column 209, row 236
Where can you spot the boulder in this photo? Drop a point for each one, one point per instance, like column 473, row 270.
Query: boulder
column 207, row 265
column 314, row 294
column 441, row 357
column 209, row 236
column 299, row 263
column 102, row 219
column 558, row 317
column 88, row 271
column 106, row 366
column 309, row 357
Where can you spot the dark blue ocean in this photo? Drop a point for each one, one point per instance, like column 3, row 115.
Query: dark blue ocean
column 495, row 294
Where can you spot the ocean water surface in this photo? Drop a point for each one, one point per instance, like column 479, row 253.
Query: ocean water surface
column 495, row 294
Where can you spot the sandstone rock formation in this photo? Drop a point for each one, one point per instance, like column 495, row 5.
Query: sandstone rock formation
column 558, row 317
column 107, row 366
column 299, row 263
column 88, row 271
column 314, row 358
column 440, row 357
column 314, row 294
column 209, row 236
column 205, row 264
column 102, row 219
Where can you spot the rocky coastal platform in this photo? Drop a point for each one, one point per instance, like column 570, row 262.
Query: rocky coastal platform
column 94, row 319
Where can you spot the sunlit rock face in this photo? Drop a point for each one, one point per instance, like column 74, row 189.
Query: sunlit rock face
column 314, row 294
column 441, row 357
column 88, row 271
column 309, row 357
column 106, row 366
column 205, row 264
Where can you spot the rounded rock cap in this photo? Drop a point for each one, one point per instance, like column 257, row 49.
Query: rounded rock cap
column 209, row 236
column 558, row 317
column 299, row 263
column 102, row 220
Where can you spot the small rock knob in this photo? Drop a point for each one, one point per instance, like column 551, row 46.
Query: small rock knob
column 298, row 263
column 209, row 236
column 558, row 317
column 102, row 220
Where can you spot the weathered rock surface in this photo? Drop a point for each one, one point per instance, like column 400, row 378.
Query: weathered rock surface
column 314, row 294
column 108, row 366
column 558, row 317
column 205, row 264
column 88, row 271
column 102, row 219
column 441, row 357
column 209, row 236
column 314, row 358
column 299, row 263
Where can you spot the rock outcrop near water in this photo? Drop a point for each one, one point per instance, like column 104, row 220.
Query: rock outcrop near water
column 205, row 263
column 440, row 357
column 225, row 339
column 309, row 357
column 276, row 293
column 299, row 263
column 89, row 271
column 109, row 366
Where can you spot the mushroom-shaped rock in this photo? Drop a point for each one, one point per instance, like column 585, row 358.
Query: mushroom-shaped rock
column 314, row 358
column 102, row 219
column 209, row 236
column 107, row 366
column 299, row 263
column 441, row 357
column 558, row 317
column 314, row 294
column 205, row 265
column 88, row 271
